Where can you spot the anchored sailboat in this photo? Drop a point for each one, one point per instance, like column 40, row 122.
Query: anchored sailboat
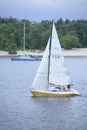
column 52, row 77
column 25, row 57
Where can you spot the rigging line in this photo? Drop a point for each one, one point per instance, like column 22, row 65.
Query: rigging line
column 24, row 37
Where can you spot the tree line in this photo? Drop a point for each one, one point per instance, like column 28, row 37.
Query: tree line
column 72, row 34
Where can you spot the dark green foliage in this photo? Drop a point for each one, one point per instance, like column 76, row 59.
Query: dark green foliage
column 69, row 42
column 72, row 34
column 12, row 48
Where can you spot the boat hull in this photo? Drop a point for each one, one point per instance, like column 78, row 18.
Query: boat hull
column 24, row 59
column 54, row 94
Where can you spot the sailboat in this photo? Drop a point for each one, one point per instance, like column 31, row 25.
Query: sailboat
column 25, row 57
column 52, row 78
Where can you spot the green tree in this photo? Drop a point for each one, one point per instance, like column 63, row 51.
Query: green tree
column 12, row 48
column 37, row 33
column 69, row 42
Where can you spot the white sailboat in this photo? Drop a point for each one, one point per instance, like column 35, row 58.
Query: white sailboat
column 25, row 57
column 52, row 76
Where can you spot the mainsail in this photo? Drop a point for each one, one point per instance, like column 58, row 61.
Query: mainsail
column 56, row 71
column 58, row 74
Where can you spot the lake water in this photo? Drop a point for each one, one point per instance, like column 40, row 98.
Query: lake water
column 20, row 111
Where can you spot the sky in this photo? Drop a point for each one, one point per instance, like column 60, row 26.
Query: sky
column 38, row 10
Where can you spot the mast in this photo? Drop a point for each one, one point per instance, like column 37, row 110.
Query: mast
column 24, row 38
column 49, row 52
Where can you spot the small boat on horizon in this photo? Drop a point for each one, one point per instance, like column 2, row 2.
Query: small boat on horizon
column 52, row 78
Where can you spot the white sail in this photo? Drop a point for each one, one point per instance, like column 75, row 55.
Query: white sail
column 58, row 72
column 52, row 71
column 41, row 78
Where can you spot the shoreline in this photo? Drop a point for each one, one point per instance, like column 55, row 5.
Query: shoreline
column 73, row 52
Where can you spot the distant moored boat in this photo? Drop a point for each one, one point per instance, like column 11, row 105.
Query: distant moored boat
column 25, row 57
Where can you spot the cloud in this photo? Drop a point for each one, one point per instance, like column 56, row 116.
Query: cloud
column 39, row 9
column 44, row 3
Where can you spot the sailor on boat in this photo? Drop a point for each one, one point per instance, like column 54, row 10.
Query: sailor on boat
column 63, row 87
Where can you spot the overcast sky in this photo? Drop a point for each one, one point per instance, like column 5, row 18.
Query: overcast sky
column 37, row 10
